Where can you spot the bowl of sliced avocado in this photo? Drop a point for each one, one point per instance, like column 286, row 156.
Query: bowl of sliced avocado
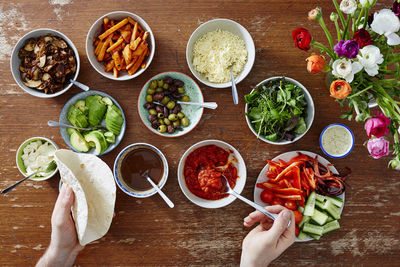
column 101, row 119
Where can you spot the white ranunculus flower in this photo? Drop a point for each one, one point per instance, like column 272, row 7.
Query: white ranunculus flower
column 348, row 6
column 344, row 68
column 370, row 57
column 387, row 23
column 365, row 2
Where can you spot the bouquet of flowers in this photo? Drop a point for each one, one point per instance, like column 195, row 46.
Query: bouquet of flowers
column 364, row 67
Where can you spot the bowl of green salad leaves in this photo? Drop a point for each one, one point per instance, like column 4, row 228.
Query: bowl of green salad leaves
column 279, row 110
column 100, row 119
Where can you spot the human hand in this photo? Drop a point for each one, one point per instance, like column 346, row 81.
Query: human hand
column 269, row 239
column 64, row 245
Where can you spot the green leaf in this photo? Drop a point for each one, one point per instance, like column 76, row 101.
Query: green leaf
column 301, row 126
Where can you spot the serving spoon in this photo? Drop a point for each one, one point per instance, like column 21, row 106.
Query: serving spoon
column 59, row 124
column 51, row 167
column 210, row 105
column 230, row 191
column 166, row 199
column 80, row 85
column 234, row 89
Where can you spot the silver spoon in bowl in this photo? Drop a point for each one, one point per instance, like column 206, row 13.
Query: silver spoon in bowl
column 230, row 191
column 80, row 85
column 234, row 89
column 51, row 167
column 166, row 199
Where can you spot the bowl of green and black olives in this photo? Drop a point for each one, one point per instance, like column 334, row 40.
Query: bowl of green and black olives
column 161, row 104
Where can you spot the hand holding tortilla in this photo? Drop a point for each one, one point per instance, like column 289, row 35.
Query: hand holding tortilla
column 93, row 184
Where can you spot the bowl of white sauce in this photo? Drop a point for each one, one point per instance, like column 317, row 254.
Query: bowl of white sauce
column 336, row 140
column 35, row 154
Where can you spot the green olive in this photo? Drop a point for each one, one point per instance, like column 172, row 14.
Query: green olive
column 181, row 90
column 165, row 100
column 172, row 117
column 185, row 121
column 161, row 121
column 159, row 89
column 160, row 83
column 170, row 104
column 167, row 121
column 181, row 115
column 176, row 123
column 160, row 115
column 152, row 111
column 153, row 84
column 151, row 91
column 185, row 98
column 165, row 86
column 162, row 128
column 149, row 98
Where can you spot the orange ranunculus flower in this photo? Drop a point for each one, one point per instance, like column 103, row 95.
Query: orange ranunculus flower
column 340, row 89
column 315, row 63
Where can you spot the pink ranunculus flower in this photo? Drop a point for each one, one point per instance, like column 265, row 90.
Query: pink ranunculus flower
column 377, row 126
column 378, row 147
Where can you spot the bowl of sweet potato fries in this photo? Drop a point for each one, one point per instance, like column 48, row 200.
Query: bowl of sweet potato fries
column 120, row 45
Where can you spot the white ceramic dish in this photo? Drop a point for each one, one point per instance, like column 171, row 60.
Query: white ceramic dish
column 241, row 180
column 262, row 177
column 310, row 112
column 226, row 25
column 15, row 61
column 95, row 30
column 350, row 147
column 20, row 163
column 121, row 183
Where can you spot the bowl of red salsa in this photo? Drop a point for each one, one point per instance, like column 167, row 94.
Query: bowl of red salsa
column 200, row 170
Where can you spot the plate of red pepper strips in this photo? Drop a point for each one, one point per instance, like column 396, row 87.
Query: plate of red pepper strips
column 289, row 178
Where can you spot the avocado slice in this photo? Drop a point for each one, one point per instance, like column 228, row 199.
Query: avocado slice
column 107, row 101
column 110, row 137
column 77, row 118
column 97, row 109
column 114, row 119
column 98, row 139
column 70, row 131
column 78, row 142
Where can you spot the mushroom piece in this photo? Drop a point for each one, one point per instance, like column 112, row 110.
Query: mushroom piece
column 36, row 74
column 42, row 61
column 30, row 45
column 60, row 43
column 46, row 77
column 32, row 83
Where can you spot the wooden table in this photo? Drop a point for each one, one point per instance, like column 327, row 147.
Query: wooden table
column 145, row 232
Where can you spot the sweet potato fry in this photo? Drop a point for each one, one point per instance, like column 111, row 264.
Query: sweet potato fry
column 140, row 49
column 126, row 35
column 137, row 63
column 145, row 36
column 132, row 21
column 115, row 72
column 134, row 33
column 143, row 65
column 117, row 60
column 106, row 20
column 103, row 49
column 117, row 43
column 98, row 47
column 135, row 43
column 127, row 54
column 134, row 59
column 113, row 29
column 109, row 66
column 107, row 57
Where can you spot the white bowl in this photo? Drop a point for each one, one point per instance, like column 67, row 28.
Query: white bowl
column 20, row 163
column 240, row 182
column 15, row 61
column 95, row 31
column 310, row 112
column 226, row 25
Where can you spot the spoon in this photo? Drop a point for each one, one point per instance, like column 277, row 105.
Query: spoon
column 234, row 90
column 210, row 105
column 166, row 199
column 80, row 85
column 59, row 124
column 51, row 167
column 230, row 191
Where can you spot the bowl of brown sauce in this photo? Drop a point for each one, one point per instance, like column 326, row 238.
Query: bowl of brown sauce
column 132, row 162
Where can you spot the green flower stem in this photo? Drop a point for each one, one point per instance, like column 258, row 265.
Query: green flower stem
column 366, row 18
column 323, row 48
column 339, row 35
column 327, row 32
column 359, row 17
column 361, row 92
column 339, row 13
column 346, row 29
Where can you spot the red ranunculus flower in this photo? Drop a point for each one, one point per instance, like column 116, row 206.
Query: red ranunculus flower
column 363, row 38
column 302, row 39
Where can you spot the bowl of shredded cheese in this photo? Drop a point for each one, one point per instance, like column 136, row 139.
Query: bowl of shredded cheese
column 216, row 47
column 35, row 154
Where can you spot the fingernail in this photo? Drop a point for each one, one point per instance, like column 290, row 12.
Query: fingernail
column 286, row 215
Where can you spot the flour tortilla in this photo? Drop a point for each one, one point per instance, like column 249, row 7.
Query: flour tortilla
column 93, row 184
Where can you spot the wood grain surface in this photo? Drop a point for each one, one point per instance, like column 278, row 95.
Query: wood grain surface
column 145, row 232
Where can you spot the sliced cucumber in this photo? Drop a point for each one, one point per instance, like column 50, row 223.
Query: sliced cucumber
column 316, row 237
column 332, row 209
column 303, row 236
column 336, row 200
column 78, row 142
column 304, row 220
column 319, row 217
column 331, row 226
column 320, row 198
column 319, row 205
column 329, row 217
column 301, row 209
column 310, row 205
column 312, row 229
column 107, row 101
column 110, row 137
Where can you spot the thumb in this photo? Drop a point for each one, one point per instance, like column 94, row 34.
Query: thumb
column 280, row 224
column 65, row 200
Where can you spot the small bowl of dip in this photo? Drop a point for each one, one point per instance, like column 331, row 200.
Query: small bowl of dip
column 132, row 162
column 336, row 140
column 35, row 154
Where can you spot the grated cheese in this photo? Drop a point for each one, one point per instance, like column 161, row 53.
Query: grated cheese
column 37, row 155
column 216, row 52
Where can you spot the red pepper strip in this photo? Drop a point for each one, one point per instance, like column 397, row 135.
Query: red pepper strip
column 271, row 175
column 296, row 177
column 283, row 164
column 286, row 191
column 285, row 171
column 260, row 185
column 310, row 177
column 291, row 197
column 316, row 169
column 285, row 183
column 300, row 157
column 274, row 165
